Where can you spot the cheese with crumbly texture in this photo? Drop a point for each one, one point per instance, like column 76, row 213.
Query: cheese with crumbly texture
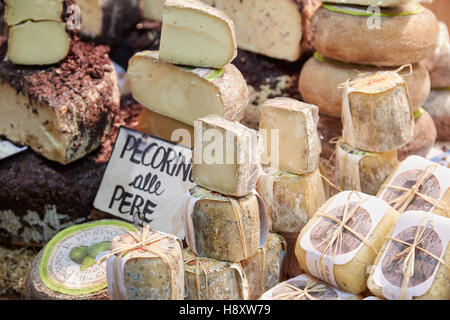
column 299, row 144
column 187, row 94
column 197, row 35
column 232, row 166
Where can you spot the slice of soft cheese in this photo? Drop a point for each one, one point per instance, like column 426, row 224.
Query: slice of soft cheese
column 38, row 43
column 195, row 34
column 18, row 11
column 226, row 156
column 376, row 112
column 187, row 94
column 298, row 147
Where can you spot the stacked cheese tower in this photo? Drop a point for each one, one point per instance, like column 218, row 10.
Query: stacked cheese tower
column 357, row 75
column 291, row 184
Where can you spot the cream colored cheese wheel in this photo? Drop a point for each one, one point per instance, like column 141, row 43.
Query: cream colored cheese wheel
column 397, row 36
column 320, row 78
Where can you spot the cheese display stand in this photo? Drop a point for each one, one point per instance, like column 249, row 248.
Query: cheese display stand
column 231, row 150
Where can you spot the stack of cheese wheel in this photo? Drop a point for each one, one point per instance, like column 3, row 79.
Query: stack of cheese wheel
column 438, row 103
column 291, row 185
column 352, row 37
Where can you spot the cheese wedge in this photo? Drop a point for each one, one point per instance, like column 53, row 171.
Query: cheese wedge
column 205, row 34
column 60, row 124
column 226, row 156
column 295, row 123
column 166, row 128
column 342, row 261
column 425, row 134
column 362, row 171
column 222, row 228
column 430, row 278
column 438, row 106
column 18, row 11
column 210, row 279
column 186, row 94
column 320, row 78
column 153, row 274
column 377, row 114
column 291, row 200
column 263, row 269
column 38, row 43
column 396, row 37
column 306, row 287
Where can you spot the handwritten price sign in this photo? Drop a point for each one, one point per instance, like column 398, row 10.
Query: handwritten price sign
column 146, row 176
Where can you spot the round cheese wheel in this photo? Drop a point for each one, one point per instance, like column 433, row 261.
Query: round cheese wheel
column 438, row 106
column 424, row 136
column 320, row 78
column 439, row 64
column 395, row 37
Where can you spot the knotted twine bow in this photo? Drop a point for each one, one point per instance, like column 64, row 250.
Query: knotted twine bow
column 337, row 236
column 143, row 240
column 410, row 253
column 299, row 294
column 402, row 202
column 198, row 262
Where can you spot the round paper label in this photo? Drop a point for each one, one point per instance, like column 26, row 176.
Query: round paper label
column 68, row 263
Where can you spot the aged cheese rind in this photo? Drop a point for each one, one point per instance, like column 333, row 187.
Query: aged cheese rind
column 291, row 200
column 440, row 288
column 184, row 95
column 216, row 229
column 377, row 114
column 425, row 133
column 439, row 63
column 351, row 276
column 38, row 43
column 319, row 81
column 149, row 276
column 362, row 171
column 438, row 107
column 206, row 35
column 240, row 145
column 166, row 128
column 263, row 269
column 401, row 40
column 18, row 11
column 62, row 125
column 299, row 144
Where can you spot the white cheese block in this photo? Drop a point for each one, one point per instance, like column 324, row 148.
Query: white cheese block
column 223, row 228
column 435, row 184
column 226, row 156
column 439, row 63
column 263, row 269
column 377, row 114
column 38, row 43
column 399, row 36
column 151, row 272
column 333, row 253
column 438, row 106
column 197, row 35
column 362, row 171
column 289, row 129
column 305, row 287
column 187, row 94
column 291, row 200
column 430, row 277
column 320, row 78
column 18, row 11
column 380, row 3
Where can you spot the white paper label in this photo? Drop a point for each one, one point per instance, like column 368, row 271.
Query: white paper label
column 146, row 176
column 7, row 149
column 389, row 276
column 364, row 221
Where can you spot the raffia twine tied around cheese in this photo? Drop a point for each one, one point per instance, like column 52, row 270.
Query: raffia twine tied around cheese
column 334, row 140
column 402, row 202
column 299, row 294
column 237, row 266
column 143, row 240
column 336, row 237
column 409, row 254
